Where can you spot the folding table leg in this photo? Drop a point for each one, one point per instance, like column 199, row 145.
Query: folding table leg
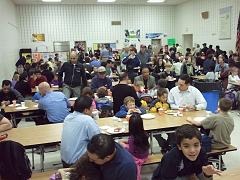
column 42, row 157
column 33, row 166
column 13, row 119
column 151, row 142
column 220, row 162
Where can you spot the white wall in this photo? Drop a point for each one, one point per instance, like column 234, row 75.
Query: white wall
column 188, row 20
column 8, row 39
column 91, row 22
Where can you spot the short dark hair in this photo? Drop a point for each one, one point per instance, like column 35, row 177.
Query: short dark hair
column 37, row 72
column 87, row 91
column 102, row 145
column 6, row 83
column 23, row 77
column 187, row 131
column 82, row 103
column 123, row 76
column 225, row 104
column 161, row 91
column 102, row 92
column 109, row 61
column 185, row 78
column 162, row 83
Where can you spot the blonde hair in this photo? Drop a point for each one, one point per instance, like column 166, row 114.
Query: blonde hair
column 128, row 99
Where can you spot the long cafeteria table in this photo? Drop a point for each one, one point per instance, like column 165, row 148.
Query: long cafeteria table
column 38, row 136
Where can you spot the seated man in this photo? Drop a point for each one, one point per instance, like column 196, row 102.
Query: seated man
column 100, row 80
column 78, row 129
column 186, row 96
column 5, row 124
column 54, row 103
column 115, row 161
column 148, row 80
column 7, row 94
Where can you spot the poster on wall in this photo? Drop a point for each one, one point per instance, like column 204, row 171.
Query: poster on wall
column 80, row 45
column 38, row 37
column 156, row 45
column 63, row 56
column 99, row 46
column 171, row 41
column 155, row 35
column 225, row 15
column 132, row 35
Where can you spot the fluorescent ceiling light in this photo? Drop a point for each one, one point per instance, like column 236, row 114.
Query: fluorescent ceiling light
column 51, row 0
column 156, row 1
column 106, row 1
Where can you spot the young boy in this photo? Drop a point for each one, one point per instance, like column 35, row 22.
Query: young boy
column 187, row 160
column 128, row 108
column 102, row 100
column 161, row 101
column 220, row 125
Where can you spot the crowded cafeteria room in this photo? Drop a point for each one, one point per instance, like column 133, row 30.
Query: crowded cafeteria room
column 119, row 89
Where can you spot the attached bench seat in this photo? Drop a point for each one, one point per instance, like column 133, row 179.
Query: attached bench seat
column 153, row 159
column 42, row 175
column 215, row 155
column 221, row 151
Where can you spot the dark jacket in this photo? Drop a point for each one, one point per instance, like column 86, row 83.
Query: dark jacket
column 97, row 83
column 24, row 88
column 174, row 164
column 131, row 63
column 74, row 74
column 13, row 94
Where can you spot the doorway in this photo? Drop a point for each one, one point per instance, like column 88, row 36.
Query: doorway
column 187, row 41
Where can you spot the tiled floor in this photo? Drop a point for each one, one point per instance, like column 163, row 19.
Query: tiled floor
column 232, row 159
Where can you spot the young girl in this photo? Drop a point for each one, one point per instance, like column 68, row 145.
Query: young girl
column 137, row 143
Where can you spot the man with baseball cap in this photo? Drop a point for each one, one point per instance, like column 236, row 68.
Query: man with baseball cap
column 101, row 80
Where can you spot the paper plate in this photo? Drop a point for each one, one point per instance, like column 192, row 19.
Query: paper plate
column 11, row 105
column 113, row 130
column 21, row 108
column 105, row 127
column 148, row 116
column 72, row 99
column 55, row 86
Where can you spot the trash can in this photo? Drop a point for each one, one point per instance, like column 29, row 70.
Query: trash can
column 210, row 90
column 212, row 98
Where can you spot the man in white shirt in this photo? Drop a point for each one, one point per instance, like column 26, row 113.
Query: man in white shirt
column 186, row 96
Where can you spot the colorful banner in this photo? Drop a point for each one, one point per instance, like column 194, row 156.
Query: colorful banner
column 155, row 35
column 131, row 34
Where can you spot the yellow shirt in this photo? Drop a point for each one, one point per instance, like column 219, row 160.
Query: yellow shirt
column 164, row 106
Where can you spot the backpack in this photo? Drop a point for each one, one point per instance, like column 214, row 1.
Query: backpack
column 14, row 163
column 232, row 95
